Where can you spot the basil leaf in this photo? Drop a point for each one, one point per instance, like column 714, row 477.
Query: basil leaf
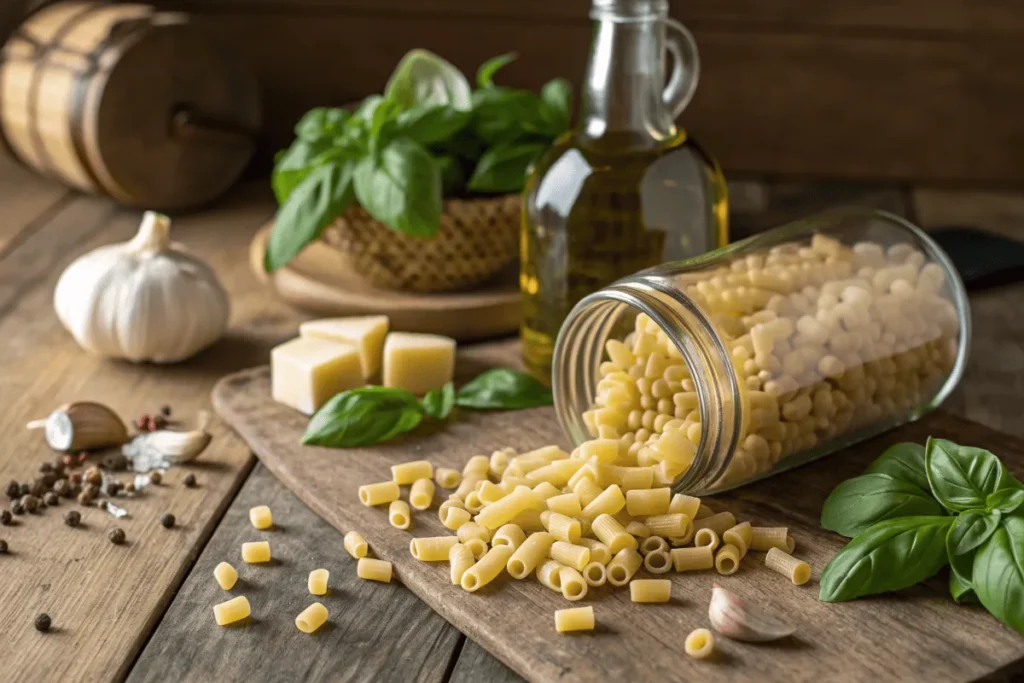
column 960, row 589
column 998, row 578
column 423, row 77
column 504, row 168
column 427, row 124
column 859, row 503
column 962, row 477
column 502, row 115
column 453, row 178
column 320, row 198
column 891, row 555
column 1006, row 501
column 367, row 107
column 969, row 531
column 322, row 123
column 903, row 461
column 504, row 389
column 557, row 98
column 293, row 166
column 485, row 74
column 401, row 188
column 438, row 403
column 364, row 416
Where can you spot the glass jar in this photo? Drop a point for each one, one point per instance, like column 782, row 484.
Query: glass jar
column 765, row 354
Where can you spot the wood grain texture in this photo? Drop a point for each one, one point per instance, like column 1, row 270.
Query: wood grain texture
column 920, row 634
column 105, row 599
column 375, row 631
column 477, row 664
column 27, row 201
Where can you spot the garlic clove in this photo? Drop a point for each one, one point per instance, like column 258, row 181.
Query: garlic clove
column 736, row 619
column 82, row 426
column 165, row 447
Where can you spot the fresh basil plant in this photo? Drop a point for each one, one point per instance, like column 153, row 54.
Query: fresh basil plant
column 429, row 136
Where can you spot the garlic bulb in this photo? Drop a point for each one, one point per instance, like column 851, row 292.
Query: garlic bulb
column 143, row 300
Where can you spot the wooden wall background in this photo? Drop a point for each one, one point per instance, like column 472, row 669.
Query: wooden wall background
column 924, row 90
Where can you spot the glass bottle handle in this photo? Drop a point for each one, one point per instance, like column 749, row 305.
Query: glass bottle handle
column 686, row 69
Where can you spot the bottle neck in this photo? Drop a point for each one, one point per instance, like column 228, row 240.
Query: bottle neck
column 625, row 78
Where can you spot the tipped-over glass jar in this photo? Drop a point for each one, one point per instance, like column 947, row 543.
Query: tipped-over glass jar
column 765, row 354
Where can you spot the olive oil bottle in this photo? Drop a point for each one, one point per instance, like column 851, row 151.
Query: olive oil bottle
column 627, row 189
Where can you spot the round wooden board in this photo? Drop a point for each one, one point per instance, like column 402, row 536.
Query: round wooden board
column 316, row 282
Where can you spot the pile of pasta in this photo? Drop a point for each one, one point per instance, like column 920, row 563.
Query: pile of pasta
column 572, row 521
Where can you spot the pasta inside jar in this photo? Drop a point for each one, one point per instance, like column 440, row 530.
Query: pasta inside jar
column 765, row 354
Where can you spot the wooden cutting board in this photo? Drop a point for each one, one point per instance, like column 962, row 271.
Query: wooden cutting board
column 918, row 634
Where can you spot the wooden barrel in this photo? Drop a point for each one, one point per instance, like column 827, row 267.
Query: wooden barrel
column 127, row 101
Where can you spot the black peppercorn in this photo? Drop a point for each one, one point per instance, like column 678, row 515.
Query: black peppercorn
column 115, row 462
column 25, row 489
column 38, row 487
column 3, row 547
column 75, row 478
column 17, row 508
column 116, row 536
column 63, row 488
column 155, row 477
column 165, row 410
column 58, row 465
column 42, row 623
column 94, row 476
column 13, row 490
column 167, row 520
column 6, row 517
column 85, row 498
column 129, row 488
column 113, row 488
column 72, row 518
column 31, row 503
column 190, row 480
column 45, row 467
column 51, row 498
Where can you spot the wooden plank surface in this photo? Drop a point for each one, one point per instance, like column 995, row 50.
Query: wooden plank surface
column 105, row 599
column 27, row 201
column 376, row 631
column 922, row 633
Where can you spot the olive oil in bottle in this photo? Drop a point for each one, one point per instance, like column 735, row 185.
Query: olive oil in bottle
column 626, row 189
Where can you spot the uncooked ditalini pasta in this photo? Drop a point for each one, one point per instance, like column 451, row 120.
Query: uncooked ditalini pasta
column 587, row 490
column 501, row 513
column 727, row 560
column 638, row 529
column 687, row 505
column 574, row 619
column 557, row 473
column 653, row 544
column 599, row 552
column 766, row 538
column 672, row 525
column 486, row 569
column 603, row 450
column 226, row 576
column 489, row 492
column 648, row 502
column 399, row 514
column 703, row 511
column 650, row 590
column 567, row 504
column 798, row 571
column 548, row 573
column 378, row 494
column 317, row 582
column 474, row 537
column 479, row 465
column 529, row 521
column 575, row 556
column 460, row 558
column 658, row 562
column 718, row 523
column 447, row 478
column 595, row 574
column 739, row 536
column 613, row 534
column 790, row 545
column 546, row 490
column 260, row 517
column 684, row 539
column 510, row 535
column 432, row 548
column 623, row 566
column 609, row 502
column 311, row 618
column 700, row 643
column 231, row 611
column 373, row 570
column 473, row 503
column 574, row 586
column 706, row 538
column 469, row 483
column 408, row 472
column 561, row 527
column 692, row 559
column 453, row 518
column 355, row 544
column 256, row 552
column 421, row 495
column 499, row 461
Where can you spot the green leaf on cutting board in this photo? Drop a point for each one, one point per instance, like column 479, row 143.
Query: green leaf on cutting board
column 363, row 416
column 504, row 389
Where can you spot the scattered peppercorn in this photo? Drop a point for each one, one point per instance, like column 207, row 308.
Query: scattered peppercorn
column 113, row 488
column 68, row 460
column 25, row 489
column 13, row 490
column 58, row 465
column 165, row 410
column 155, row 477
column 93, row 490
column 6, row 517
column 115, row 462
column 48, row 479
column 38, row 487
column 116, row 536
column 31, row 503
column 42, row 623
column 63, row 488
column 167, row 520
column 51, row 499
column 3, row 547
column 45, row 467
column 82, row 457
column 190, row 480
column 17, row 508
column 94, row 476
column 75, row 478
column 158, row 422
column 85, row 498
column 72, row 518
column 129, row 488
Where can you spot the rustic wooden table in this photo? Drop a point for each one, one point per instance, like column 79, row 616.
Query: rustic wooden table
column 141, row 611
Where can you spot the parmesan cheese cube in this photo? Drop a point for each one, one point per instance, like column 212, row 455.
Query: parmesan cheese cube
column 366, row 333
column 306, row 372
column 418, row 362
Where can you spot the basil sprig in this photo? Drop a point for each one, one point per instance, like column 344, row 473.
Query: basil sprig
column 919, row 509
column 369, row 415
column 427, row 137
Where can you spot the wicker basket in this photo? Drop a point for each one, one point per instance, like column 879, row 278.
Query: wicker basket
column 477, row 239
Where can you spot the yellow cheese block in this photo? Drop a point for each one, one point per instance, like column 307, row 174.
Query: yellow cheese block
column 306, row 372
column 366, row 333
column 418, row 362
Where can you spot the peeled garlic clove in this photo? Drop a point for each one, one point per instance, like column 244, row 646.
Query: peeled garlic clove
column 165, row 447
column 82, row 426
column 734, row 618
